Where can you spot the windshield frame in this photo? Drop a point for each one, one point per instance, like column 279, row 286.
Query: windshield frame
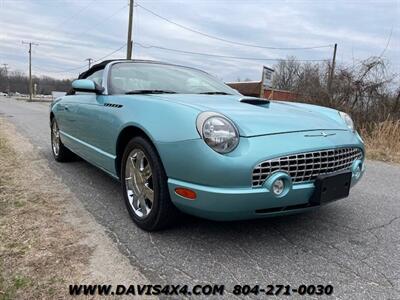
column 108, row 69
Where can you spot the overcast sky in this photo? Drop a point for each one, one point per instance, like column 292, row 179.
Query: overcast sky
column 68, row 32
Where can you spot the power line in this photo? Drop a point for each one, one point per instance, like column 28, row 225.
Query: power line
column 221, row 56
column 115, row 51
column 230, row 41
column 61, row 70
column 71, row 17
column 93, row 27
column 90, row 28
column 360, row 61
column 387, row 43
column 83, row 66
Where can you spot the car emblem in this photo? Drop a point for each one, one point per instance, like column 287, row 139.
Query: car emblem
column 324, row 134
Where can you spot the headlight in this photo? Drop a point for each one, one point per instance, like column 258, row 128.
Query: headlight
column 217, row 131
column 347, row 119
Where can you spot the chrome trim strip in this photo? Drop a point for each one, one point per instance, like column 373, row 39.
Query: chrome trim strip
column 88, row 145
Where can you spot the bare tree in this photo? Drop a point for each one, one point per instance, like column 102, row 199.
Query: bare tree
column 286, row 74
column 366, row 90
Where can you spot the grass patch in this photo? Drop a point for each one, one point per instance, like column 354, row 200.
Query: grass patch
column 39, row 251
column 20, row 282
column 382, row 140
column 9, row 290
column 9, row 283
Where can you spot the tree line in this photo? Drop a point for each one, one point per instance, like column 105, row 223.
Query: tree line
column 366, row 89
column 18, row 82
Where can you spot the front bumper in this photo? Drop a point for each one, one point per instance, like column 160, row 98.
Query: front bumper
column 226, row 204
column 223, row 183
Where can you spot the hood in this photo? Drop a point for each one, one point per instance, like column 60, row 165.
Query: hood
column 255, row 119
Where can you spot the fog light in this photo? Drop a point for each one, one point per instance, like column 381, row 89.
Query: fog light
column 279, row 184
column 357, row 172
column 357, row 169
column 278, row 187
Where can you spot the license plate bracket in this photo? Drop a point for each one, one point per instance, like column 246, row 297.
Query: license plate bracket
column 331, row 187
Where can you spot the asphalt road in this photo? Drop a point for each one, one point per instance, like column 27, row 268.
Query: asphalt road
column 352, row 244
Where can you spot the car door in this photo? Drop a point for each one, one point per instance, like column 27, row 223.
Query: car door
column 94, row 126
column 67, row 119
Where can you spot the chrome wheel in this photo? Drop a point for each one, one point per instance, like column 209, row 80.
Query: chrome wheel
column 139, row 183
column 55, row 139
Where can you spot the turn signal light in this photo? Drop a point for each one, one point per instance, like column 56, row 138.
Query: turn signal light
column 186, row 193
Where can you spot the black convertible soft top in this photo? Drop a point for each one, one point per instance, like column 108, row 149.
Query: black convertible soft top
column 95, row 68
column 101, row 65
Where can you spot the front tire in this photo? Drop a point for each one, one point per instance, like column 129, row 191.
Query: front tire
column 144, row 186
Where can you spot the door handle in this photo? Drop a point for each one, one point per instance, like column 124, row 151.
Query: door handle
column 66, row 107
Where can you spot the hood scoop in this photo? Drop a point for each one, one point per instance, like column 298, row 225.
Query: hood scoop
column 254, row 101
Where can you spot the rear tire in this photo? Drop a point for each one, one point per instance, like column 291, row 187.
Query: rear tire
column 145, row 188
column 60, row 152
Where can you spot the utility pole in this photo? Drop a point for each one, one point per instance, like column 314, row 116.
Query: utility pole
column 5, row 68
column 332, row 71
column 8, row 82
column 89, row 61
column 129, row 41
column 30, row 67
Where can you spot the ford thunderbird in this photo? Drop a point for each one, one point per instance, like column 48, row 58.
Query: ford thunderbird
column 179, row 140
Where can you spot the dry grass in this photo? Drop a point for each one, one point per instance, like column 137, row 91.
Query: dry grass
column 39, row 251
column 47, row 239
column 382, row 140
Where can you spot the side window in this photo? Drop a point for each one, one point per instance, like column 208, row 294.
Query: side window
column 97, row 77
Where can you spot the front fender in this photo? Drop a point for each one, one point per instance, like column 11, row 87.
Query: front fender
column 161, row 120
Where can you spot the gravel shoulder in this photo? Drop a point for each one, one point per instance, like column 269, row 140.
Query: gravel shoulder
column 47, row 238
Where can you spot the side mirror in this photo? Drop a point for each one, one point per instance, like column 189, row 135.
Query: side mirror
column 86, row 85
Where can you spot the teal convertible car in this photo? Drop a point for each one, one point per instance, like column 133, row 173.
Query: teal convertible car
column 180, row 140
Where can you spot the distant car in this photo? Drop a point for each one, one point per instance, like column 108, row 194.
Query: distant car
column 180, row 140
column 56, row 94
column 3, row 94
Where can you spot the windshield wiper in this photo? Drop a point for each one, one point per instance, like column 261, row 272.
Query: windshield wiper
column 215, row 93
column 149, row 92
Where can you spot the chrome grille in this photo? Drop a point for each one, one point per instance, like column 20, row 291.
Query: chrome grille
column 305, row 167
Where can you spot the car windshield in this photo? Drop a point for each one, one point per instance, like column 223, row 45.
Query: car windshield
column 153, row 78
